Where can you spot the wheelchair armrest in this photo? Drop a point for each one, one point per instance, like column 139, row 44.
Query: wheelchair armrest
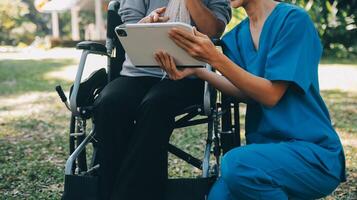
column 89, row 87
column 88, row 48
column 92, row 47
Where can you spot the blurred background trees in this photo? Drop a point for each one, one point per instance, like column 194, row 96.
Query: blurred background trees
column 12, row 21
column 334, row 19
column 336, row 23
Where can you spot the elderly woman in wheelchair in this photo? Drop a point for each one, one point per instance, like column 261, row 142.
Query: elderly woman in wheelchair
column 270, row 62
column 135, row 113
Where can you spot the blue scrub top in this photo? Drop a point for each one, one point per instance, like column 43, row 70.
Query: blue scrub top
column 289, row 50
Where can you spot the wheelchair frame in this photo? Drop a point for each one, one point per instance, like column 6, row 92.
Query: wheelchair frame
column 220, row 112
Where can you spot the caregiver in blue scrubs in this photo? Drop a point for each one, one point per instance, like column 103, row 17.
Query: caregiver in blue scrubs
column 270, row 62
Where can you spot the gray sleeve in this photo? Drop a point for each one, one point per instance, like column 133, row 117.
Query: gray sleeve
column 222, row 9
column 132, row 11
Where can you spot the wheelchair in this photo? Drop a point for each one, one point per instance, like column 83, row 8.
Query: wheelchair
column 219, row 112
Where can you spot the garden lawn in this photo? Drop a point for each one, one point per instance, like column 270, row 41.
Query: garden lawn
column 34, row 132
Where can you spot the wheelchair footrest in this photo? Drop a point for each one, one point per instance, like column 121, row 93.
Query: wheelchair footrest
column 189, row 189
column 80, row 187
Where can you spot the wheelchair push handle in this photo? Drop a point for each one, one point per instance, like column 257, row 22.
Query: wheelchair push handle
column 61, row 93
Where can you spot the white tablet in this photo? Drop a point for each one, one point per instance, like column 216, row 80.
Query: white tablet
column 141, row 41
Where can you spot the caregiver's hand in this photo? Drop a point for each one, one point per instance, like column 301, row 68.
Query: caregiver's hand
column 155, row 16
column 197, row 44
column 167, row 63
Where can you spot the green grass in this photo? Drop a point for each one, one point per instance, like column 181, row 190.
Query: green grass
column 19, row 76
column 344, row 61
column 34, row 143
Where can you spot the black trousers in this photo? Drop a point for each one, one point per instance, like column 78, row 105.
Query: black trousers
column 134, row 119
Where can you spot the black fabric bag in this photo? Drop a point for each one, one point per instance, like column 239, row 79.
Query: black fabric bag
column 86, row 188
column 189, row 189
column 80, row 187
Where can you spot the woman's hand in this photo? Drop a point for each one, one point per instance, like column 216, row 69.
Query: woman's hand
column 167, row 63
column 155, row 16
column 197, row 44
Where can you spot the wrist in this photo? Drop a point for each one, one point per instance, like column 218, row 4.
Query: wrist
column 217, row 60
column 199, row 72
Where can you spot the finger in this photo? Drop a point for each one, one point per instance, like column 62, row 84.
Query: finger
column 170, row 67
column 160, row 10
column 151, row 19
column 163, row 61
column 155, row 17
column 168, row 63
column 159, row 60
column 184, row 44
column 163, row 19
column 173, row 66
column 183, row 33
column 172, row 63
column 182, row 40
column 197, row 33
column 177, row 73
column 174, row 69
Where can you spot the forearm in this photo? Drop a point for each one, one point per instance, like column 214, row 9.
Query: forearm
column 204, row 18
column 132, row 11
column 259, row 89
column 222, row 84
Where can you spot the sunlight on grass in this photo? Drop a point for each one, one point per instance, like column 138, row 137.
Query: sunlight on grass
column 19, row 76
column 330, row 60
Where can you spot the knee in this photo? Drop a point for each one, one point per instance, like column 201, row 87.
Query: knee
column 110, row 101
column 238, row 172
column 154, row 104
column 219, row 191
column 231, row 163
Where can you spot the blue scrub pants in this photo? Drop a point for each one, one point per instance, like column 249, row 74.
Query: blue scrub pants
column 273, row 172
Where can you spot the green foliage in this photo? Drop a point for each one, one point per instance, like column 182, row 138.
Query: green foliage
column 237, row 16
column 21, row 22
column 335, row 21
column 40, row 19
column 12, row 13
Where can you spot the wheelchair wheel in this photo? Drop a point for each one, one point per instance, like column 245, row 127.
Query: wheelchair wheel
column 72, row 129
column 76, row 137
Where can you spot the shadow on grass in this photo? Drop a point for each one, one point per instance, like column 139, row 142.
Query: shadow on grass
column 343, row 109
column 19, row 76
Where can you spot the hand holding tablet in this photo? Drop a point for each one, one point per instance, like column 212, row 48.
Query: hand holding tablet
column 141, row 41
